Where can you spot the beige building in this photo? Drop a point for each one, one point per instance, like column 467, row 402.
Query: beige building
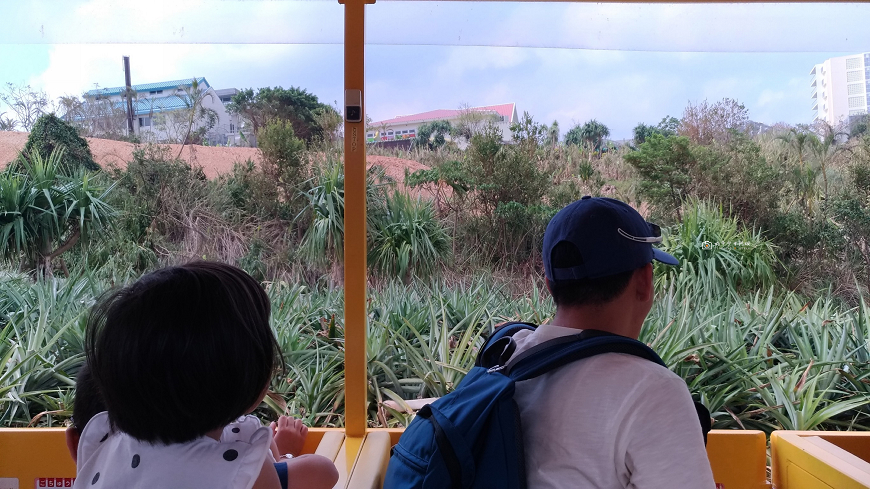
column 840, row 87
column 406, row 126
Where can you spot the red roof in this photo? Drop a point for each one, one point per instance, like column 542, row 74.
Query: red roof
column 506, row 110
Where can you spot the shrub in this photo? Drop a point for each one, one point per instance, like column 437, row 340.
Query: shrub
column 407, row 239
column 51, row 132
column 710, row 243
column 45, row 209
column 737, row 175
column 665, row 165
column 282, row 155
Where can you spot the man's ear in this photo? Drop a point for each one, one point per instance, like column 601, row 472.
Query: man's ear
column 72, row 442
column 643, row 277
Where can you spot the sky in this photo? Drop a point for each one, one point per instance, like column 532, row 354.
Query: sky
column 621, row 64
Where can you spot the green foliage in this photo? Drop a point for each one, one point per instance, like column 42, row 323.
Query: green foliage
column 45, row 209
column 294, row 105
column 50, row 132
column 503, row 173
column 282, row 156
column 407, row 239
column 758, row 360
column 590, row 135
column 433, row 135
column 254, row 192
column 710, row 244
column 323, row 242
column 739, row 176
column 667, row 127
column 664, row 165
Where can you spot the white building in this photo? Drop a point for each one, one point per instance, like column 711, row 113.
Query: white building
column 406, row 126
column 840, row 87
column 154, row 103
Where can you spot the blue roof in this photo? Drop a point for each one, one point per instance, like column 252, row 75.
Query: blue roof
column 149, row 87
column 154, row 105
column 159, row 104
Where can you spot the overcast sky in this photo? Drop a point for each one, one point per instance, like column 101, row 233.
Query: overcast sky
column 618, row 63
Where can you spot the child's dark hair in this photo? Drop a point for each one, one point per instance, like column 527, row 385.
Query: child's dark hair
column 87, row 402
column 183, row 351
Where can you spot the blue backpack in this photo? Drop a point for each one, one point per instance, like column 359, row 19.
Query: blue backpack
column 472, row 437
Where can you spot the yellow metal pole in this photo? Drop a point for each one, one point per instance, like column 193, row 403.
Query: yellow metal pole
column 355, row 381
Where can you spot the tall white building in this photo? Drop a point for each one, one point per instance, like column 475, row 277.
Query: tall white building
column 840, row 88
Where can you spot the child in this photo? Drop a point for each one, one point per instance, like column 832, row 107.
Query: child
column 178, row 357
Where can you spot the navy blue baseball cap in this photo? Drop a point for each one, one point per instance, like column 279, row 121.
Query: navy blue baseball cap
column 602, row 237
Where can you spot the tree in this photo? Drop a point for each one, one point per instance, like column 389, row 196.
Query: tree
column 825, row 149
column 187, row 125
column 593, row 134
column 7, row 124
column 282, row 156
column 668, row 126
column 96, row 116
column 330, row 121
column 642, row 132
column 50, row 133
column 471, row 122
column 858, row 126
column 573, row 136
column 664, row 164
column 528, row 135
column 799, row 142
column 590, row 135
column 295, row 105
column 704, row 123
column 46, row 208
column 553, row 134
column 27, row 104
column 433, row 135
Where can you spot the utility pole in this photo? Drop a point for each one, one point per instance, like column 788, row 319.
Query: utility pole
column 128, row 95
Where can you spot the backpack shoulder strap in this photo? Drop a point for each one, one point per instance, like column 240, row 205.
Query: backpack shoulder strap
column 557, row 352
column 500, row 345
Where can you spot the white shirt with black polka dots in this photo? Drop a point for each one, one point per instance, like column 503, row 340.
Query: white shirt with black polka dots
column 113, row 459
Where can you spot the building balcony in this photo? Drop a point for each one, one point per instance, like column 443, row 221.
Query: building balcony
column 814, row 93
column 815, row 106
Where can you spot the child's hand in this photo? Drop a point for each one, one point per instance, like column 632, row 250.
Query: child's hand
column 289, row 435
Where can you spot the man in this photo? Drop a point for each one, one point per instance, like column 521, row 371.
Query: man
column 612, row 420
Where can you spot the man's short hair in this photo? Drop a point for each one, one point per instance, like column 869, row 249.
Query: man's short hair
column 183, row 351
column 583, row 292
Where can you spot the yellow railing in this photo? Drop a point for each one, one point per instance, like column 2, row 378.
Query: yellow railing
column 738, row 458
column 820, row 459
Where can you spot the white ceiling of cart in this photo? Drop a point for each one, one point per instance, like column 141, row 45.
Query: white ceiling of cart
column 633, row 27
column 618, row 63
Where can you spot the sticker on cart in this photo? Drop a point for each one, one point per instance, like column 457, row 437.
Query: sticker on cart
column 720, row 485
column 54, row 482
column 8, row 483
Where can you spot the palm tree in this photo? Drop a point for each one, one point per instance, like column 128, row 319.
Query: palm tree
column 45, row 211
column 825, row 149
column 800, row 141
column 197, row 113
column 593, row 133
column 7, row 124
column 553, row 134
